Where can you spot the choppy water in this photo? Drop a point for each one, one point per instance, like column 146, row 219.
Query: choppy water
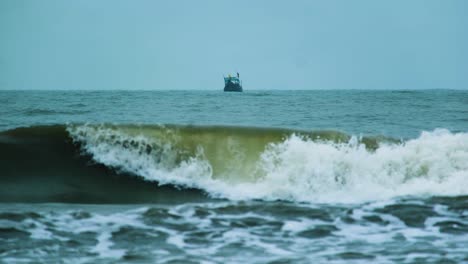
column 258, row 177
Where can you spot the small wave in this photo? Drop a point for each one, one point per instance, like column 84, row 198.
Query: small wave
column 405, row 91
column 258, row 94
column 40, row 112
column 77, row 105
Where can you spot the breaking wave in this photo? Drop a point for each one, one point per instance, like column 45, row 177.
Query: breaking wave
column 253, row 163
column 246, row 163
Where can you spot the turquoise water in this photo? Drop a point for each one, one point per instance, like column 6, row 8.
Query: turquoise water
column 260, row 177
column 391, row 113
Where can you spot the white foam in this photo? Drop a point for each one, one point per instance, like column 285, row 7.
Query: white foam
column 299, row 169
column 103, row 247
column 301, row 225
column 39, row 230
column 104, row 226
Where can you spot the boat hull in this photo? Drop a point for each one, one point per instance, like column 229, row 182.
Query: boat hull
column 232, row 87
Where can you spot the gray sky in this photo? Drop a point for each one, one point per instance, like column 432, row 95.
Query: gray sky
column 175, row 44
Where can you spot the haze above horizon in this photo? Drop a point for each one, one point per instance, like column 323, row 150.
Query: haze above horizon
column 184, row 45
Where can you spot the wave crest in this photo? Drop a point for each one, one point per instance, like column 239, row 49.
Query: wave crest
column 268, row 164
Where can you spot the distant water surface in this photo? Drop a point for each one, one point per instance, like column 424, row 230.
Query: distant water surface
column 391, row 113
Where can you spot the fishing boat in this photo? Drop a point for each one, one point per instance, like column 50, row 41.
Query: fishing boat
column 232, row 84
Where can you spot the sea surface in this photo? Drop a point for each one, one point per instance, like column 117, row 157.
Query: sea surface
column 342, row 176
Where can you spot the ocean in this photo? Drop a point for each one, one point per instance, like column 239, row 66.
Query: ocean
column 338, row 176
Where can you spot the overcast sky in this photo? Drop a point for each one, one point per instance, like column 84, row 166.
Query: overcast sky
column 175, row 44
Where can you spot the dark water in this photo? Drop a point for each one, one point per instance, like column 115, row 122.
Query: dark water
column 258, row 177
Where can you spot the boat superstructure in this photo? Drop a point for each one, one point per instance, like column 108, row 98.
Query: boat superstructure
column 232, row 84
